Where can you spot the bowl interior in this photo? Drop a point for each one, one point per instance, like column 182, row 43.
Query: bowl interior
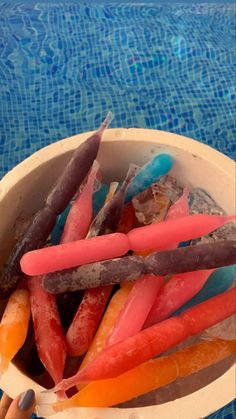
column 23, row 191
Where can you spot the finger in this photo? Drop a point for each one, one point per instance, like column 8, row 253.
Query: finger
column 4, row 405
column 22, row 407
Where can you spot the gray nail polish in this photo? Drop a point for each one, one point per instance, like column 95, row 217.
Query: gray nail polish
column 26, row 400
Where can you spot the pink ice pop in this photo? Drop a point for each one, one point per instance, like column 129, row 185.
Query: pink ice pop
column 63, row 256
column 176, row 292
column 81, row 213
column 161, row 235
column 136, row 308
column 49, row 337
column 145, row 291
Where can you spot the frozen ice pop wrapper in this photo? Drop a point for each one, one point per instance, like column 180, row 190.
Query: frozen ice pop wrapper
column 57, row 200
column 146, row 377
column 14, row 326
column 130, row 268
column 155, row 340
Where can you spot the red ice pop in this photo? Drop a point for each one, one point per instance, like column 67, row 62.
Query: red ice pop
column 87, row 318
column 49, row 337
column 153, row 341
column 52, row 347
column 81, row 212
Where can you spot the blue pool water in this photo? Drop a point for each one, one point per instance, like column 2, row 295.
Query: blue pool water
column 63, row 65
column 166, row 66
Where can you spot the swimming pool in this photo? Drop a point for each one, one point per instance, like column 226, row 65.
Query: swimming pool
column 63, row 65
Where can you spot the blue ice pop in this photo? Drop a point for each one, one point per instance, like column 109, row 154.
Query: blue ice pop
column 153, row 170
column 218, row 282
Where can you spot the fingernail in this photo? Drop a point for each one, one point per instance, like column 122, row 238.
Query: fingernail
column 27, row 399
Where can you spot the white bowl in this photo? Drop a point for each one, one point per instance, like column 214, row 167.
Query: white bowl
column 23, row 189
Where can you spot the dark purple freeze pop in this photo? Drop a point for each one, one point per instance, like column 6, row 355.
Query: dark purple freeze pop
column 129, row 268
column 57, row 200
column 108, row 218
column 192, row 258
column 97, row 274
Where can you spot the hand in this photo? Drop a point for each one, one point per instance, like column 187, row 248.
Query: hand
column 21, row 407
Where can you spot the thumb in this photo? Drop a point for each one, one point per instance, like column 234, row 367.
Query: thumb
column 22, row 406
